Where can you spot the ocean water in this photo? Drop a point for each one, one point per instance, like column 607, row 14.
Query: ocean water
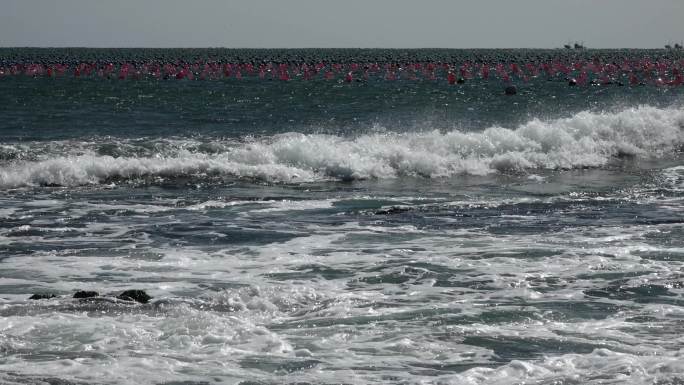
column 323, row 232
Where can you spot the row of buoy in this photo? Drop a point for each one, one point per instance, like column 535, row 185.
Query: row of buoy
column 634, row 72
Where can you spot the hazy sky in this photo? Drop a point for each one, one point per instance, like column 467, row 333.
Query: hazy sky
column 341, row 23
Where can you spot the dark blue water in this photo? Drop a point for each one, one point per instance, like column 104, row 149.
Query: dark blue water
column 323, row 232
column 65, row 108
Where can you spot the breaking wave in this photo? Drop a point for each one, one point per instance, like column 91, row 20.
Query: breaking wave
column 586, row 139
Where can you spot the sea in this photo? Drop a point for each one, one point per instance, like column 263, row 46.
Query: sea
column 324, row 231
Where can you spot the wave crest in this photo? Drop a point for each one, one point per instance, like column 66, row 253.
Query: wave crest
column 584, row 140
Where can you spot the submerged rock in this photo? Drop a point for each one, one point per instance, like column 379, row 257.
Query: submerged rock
column 42, row 296
column 134, row 295
column 86, row 294
column 393, row 210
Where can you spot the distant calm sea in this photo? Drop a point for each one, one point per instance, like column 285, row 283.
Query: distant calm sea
column 320, row 232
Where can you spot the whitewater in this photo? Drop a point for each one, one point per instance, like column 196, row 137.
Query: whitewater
column 391, row 231
column 584, row 140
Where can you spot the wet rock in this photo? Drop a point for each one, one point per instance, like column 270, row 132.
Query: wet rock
column 42, row 296
column 572, row 82
column 134, row 295
column 393, row 210
column 86, row 294
column 625, row 155
column 511, row 90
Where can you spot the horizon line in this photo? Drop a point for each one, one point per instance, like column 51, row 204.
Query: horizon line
column 330, row 48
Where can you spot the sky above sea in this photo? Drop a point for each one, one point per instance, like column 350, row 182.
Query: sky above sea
column 352, row 23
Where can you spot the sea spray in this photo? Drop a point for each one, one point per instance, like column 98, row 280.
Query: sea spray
column 586, row 139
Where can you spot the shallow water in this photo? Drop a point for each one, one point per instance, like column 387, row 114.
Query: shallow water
column 406, row 232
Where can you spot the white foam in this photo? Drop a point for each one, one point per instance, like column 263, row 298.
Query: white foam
column 130, row 207
column 584, row 140
column 301, row 205
column 674, row 177
column 181, row 344
column 217, row 204
column 606, row 366
column 7, row 212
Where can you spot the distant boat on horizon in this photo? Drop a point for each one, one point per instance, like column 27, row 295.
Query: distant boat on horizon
column 575, row 45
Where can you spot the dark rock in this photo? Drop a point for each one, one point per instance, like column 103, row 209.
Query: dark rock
column 393, row 210
column 460, row 81
column 625, row 155
column 572, row 82
column 511, row 90
column 134, row 295
column 42, row 296
column 86, row 294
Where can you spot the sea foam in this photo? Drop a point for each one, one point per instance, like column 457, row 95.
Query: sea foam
column 587, row 139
